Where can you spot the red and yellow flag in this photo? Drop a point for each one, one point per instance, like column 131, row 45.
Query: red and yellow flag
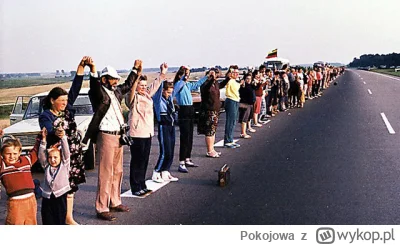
column 273, row 54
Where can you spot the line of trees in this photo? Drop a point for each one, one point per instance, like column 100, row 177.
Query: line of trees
column 376, row 60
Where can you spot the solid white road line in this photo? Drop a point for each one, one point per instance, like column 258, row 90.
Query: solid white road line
column 387, row 123
column 369, row 91
column 151, row 185
column 221, row 143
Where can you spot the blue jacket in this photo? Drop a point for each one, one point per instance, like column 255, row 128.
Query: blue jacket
column 161, row 106
column 183, row 90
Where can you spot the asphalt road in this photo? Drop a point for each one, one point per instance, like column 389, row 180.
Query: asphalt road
column 332, row 162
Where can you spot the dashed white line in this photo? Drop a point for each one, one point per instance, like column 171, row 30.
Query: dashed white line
column 369, row 91
column 387, row 123
column 364, row 82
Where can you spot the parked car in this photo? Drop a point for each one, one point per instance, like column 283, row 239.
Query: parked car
column 276, row 63
column 25, row 122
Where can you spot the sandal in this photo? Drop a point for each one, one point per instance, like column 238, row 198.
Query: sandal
column 245, row 136
column 213, row 154
column 252, row 130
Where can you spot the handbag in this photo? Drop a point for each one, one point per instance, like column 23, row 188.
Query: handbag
column 224, row 175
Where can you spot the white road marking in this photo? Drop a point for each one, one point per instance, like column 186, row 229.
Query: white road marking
column 364, row 82
column 221, row 143
column 387, row 123
column 266, row 122
column 151, row 185
column 369, row 91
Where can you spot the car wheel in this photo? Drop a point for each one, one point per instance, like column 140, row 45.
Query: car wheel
column 89, row 157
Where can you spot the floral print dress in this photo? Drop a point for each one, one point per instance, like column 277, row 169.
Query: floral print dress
column 66, row 121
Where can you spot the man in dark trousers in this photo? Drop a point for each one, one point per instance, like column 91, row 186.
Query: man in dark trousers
column 105, row 130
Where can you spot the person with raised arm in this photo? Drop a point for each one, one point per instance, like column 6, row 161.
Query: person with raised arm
column 141, row 122
column 58, row 117
column 183, row 89
column 107, row 129
column 209, row 111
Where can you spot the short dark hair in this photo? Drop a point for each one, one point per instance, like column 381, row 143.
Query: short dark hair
column 167, row 84
column 255, row 72
column 262, row 67
column 143, row 78
column 248, row 75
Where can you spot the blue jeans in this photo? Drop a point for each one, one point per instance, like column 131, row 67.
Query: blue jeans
column 231, row 111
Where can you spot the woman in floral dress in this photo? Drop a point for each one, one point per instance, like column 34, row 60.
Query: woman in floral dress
column 58, row 117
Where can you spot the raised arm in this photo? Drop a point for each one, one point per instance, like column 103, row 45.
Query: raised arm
column 33, row 154
column 78, row 81
column 211, row 76
column 133, row 75
column 196, row 85
column 42, row 150
column 156, row 84
column 131, row 95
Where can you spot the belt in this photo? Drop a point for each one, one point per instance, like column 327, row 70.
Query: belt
column 111, row 132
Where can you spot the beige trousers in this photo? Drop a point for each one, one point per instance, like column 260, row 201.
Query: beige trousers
column 22, row 211
column 110, row 154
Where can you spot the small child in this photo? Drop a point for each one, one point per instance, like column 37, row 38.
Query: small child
column 16, row 177
column 165, row 111
column 56, row 164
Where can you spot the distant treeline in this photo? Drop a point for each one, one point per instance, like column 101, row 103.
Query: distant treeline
column 376, row 60
column 17, row 75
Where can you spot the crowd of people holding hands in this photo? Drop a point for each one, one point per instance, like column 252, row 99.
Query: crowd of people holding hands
column 251, row 98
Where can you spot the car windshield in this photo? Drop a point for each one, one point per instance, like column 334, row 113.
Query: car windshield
column 82, row 106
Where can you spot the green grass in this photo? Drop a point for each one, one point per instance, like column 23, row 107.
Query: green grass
column 27, row 82
column 387, row 72
column 5, row 111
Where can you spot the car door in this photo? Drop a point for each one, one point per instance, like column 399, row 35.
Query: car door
column 19, row 108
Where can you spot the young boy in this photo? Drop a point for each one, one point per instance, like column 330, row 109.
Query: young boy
column 56, row 164
column 164, row 111
column 16, row 177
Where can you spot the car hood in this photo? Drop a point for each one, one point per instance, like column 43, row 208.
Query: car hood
column 32, row 125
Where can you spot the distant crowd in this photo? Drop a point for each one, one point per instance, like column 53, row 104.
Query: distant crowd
column 252, row 98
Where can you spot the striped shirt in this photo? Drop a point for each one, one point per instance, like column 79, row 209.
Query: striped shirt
column 17, row 178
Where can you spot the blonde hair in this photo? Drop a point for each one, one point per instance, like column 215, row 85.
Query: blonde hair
column 13, row 142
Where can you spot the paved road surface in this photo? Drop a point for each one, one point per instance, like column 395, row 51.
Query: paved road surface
column 332, row 162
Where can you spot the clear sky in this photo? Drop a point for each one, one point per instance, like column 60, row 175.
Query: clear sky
column 46, row 35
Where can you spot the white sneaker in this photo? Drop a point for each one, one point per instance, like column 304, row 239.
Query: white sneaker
column 166, row 176
column 157, row 177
